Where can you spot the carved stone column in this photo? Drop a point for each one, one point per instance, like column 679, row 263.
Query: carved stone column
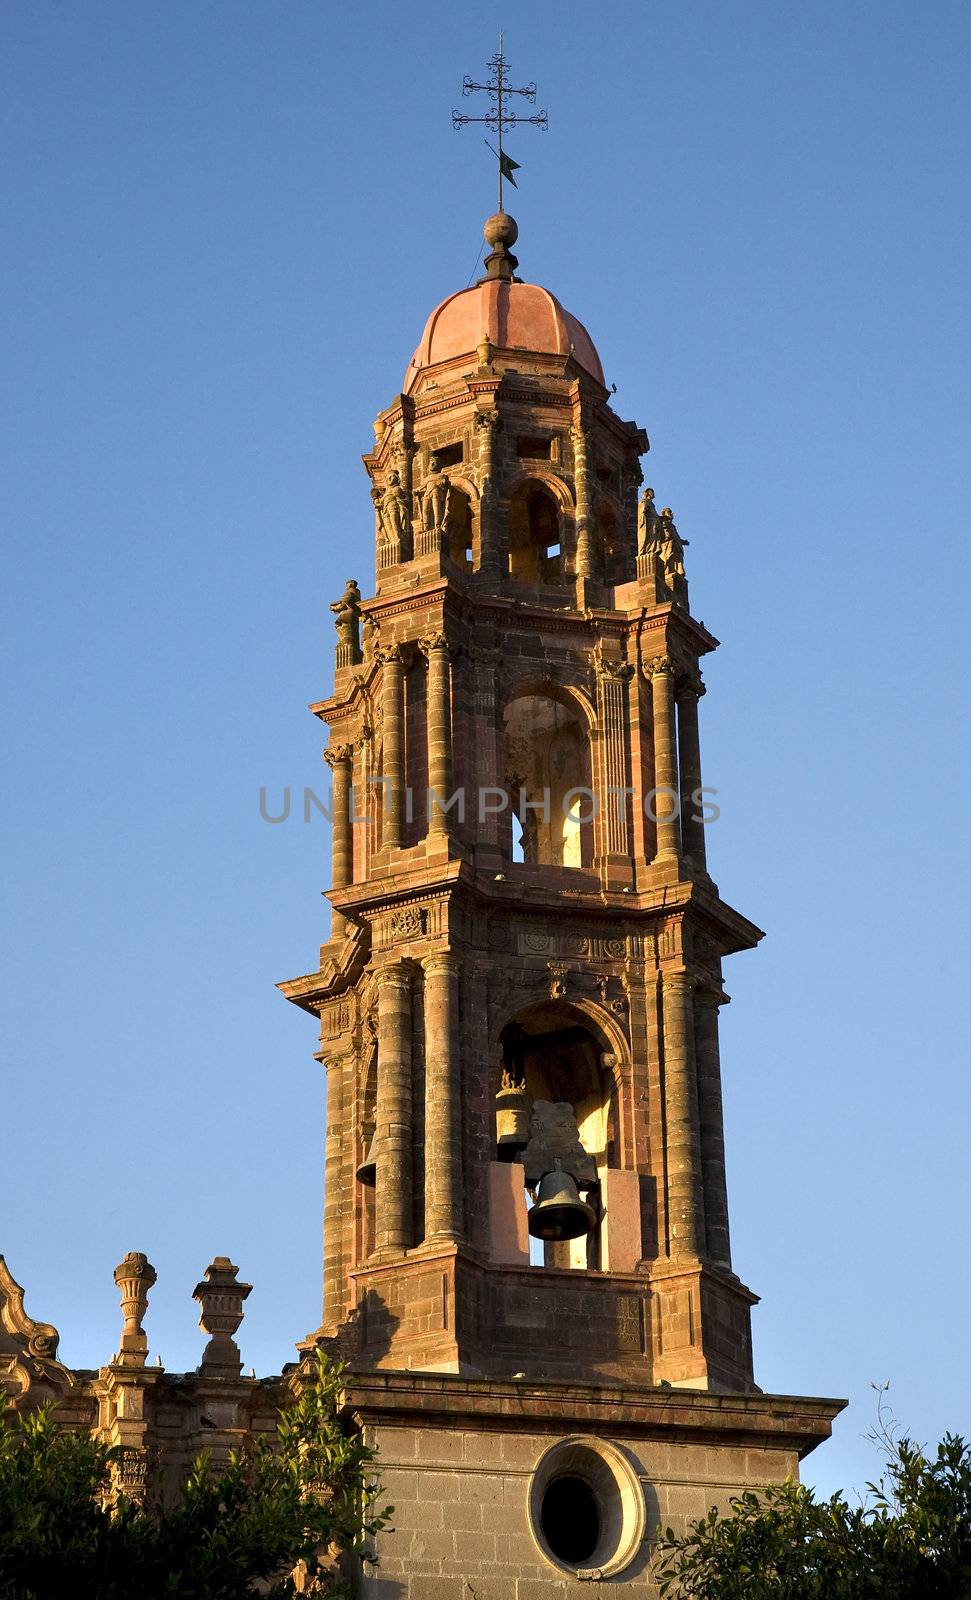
column 581, row 464
column 393, row 728
column 688, row 692
column 661, row 673
column 439, row 732
column 334, row 1180
column 338, row 758
column 488, row 821
column 393, row 1178
column 611, row 714
column 493, row 552
column 685, row 1217
column 712, row 1128
column 443, row 1126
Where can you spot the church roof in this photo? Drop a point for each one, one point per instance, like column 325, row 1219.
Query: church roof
column 512, row 316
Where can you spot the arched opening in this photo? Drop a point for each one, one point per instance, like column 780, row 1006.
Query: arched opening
column 547, row 759
column 613, row 555
column 556, row 1061
column 535, row 535
column 366, row 1153
column 459, row 529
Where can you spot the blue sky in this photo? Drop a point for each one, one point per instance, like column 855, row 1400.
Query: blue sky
column 223, row 227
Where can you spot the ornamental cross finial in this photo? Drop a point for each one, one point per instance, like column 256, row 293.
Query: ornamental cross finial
column 497, row 117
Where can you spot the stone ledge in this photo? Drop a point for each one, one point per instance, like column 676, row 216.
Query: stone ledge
column 778, row 1421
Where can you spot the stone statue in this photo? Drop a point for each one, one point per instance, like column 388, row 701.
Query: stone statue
column 392, row 509
column 671, row 547
column 347, row 611
column 434, row 503
column 647, row 523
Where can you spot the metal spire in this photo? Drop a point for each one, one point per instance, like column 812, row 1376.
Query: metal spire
column 498, row 118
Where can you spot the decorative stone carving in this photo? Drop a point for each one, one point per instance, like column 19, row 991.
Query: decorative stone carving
column 558, row 979
column 618, row 671
column 434, row 641
column 29, row 1369
column 689, row 684
column 134, row 1277
column 671, row 548
column 337, row 753
column 394, row 516
column 347, row 613
column 617, row 1003
column 221, row 1299
column 647, row 523
column 385, row 653
column 658, row 666
column 435, row 503
column 408, row 923
column 129, row 1475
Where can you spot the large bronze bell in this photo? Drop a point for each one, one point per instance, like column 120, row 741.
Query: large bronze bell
column 367, row 1172
column 559, row 1213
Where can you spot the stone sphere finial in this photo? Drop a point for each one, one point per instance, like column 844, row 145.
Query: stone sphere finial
column 501, row 229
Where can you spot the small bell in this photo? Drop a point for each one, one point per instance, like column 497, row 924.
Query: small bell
column 512, row 1119
column 559, row 1213
column 367, row 1172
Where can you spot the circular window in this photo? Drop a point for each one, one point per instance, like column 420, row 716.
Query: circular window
column 586, row 1508
column 571, row 1520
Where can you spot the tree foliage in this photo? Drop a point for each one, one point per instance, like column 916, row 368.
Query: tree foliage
column 910, row 1540
column 271, row 1524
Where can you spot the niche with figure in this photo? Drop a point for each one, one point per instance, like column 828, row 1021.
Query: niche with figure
column 547, row 761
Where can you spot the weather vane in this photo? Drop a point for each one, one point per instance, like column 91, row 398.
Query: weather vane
column 498, row 118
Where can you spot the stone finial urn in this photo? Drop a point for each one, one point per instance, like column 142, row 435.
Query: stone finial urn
column 221, row 1299
column 134, row 1277
column 512, row 1118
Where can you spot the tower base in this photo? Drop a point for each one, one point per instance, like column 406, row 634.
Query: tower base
column 524, row 1490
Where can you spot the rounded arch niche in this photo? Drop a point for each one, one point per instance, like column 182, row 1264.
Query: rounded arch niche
column 549, row 772
column 564, row 1065
column 536, row 523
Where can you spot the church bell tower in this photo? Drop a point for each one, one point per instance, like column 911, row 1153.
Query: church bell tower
column 527, row 1260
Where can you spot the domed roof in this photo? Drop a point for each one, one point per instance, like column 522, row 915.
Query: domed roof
column 512, row 316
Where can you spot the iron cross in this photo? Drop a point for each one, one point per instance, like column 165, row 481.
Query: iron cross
column 498, row 118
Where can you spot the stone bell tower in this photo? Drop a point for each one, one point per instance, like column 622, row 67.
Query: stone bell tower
column 526, row 1238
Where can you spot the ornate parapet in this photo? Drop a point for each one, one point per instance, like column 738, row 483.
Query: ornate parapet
column 30, row 1372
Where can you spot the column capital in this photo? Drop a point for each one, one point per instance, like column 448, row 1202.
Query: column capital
column 388, row 654
column 679, row 980
column 442, row 961
column 689, row 685
column 432, row 642
column 488, row 419
column 396, row 975
column 657, row 666
column 337, row 754
column 708, row 994
column 607, row 670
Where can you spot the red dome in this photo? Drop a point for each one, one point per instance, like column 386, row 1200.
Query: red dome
column 512, row 316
